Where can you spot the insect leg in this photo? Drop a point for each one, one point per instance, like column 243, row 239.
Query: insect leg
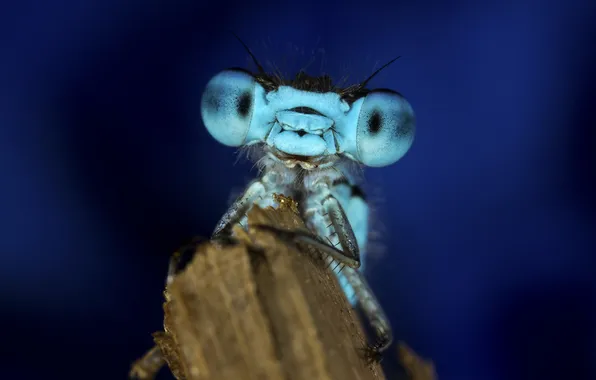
column 317, row 221
column 305, row 237
column 239, row 208
column 342, row 227
column 325, row 216
column 352, row 281
column 371, row 308
column 354, row 203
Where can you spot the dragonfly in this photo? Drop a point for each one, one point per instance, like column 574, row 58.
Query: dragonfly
column 305, row 135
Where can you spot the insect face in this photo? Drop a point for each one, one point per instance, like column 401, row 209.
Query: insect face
column 376, row 128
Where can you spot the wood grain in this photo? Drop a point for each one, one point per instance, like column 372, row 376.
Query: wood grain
column 262, row 308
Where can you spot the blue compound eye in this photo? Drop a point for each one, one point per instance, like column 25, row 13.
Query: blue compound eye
column 386, row 128
column 227, row 106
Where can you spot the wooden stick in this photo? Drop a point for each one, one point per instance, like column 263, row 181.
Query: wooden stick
column 261, row 309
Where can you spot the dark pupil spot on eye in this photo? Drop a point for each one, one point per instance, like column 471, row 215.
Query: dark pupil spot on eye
column 375, row 122
column 244, row 103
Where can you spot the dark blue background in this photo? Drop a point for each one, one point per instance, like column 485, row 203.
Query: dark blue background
column 487, row 224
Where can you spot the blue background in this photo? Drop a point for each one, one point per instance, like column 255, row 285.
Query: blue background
column 487, row 225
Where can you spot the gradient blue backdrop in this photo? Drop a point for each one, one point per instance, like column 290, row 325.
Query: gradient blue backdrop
column 488, row 223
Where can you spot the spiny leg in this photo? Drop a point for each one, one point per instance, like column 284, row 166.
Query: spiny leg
column 308, row 238
column 354, row 203
column 261, row 192
column 255, row 192
column 325, row 216
column 352, row 281
column 357, row 211
column 342, row 227
column 239, row 208
column 359, row 292
column 371, row 308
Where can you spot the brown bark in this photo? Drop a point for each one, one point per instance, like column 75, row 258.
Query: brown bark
column 264, row 308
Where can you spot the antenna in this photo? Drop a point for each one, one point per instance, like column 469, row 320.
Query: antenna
column 261, row 70
column 361, row 85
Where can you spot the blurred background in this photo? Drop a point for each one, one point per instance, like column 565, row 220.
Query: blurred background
column 487, row 225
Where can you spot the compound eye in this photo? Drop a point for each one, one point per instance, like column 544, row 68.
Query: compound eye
column 227, row 106
column 386, row 128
